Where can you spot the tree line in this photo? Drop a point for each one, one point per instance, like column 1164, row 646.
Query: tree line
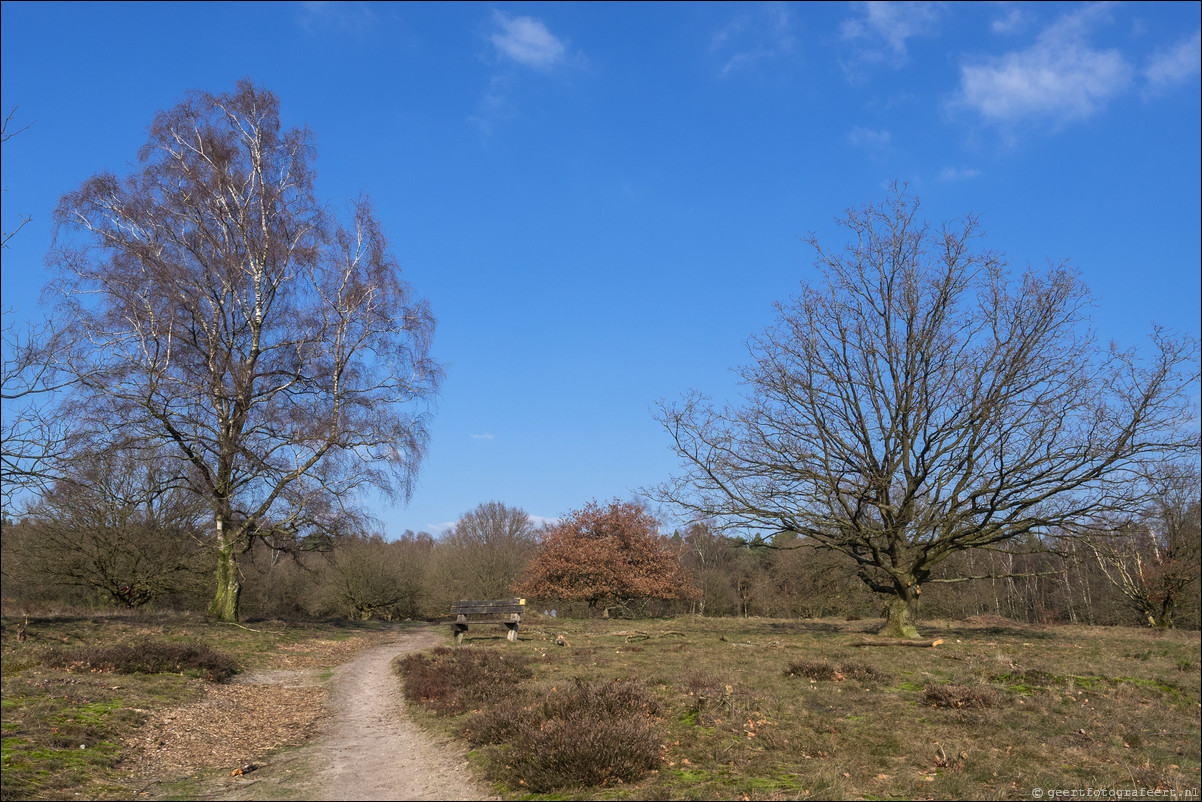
column 599, row 560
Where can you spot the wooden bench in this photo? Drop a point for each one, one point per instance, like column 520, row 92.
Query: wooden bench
column 507, row 612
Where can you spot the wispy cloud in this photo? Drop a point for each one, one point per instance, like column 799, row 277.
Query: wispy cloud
column 879, row 33
column 862, row 137
column 1176, row 65
column 519, row 45
column 526, row 41
column 1012, row 20
column 762, row 32
column 958, row 173
column 1061, row 78
column 484, row 436
column 319, row 17
column 495, row 105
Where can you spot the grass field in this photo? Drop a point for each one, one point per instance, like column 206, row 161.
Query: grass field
column 763, row 709
column 736, row 708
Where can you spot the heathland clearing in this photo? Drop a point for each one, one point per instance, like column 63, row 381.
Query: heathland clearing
column 737, row 708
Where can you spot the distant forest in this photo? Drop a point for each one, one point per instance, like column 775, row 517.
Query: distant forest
column 53, row 563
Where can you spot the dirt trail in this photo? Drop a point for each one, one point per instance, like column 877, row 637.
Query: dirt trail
column 371, row 749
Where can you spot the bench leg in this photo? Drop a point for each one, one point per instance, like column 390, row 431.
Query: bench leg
column 512, row 634
column 459, row 629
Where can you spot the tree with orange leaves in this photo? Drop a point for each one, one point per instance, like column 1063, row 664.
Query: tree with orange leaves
column 606, row 556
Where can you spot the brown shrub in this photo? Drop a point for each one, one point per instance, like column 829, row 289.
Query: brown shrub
column 589, row 735
column 714, row 700
column 147, row 657
column 825, row 671
column 865, row 673
column 612, row 699
column 452, row 680
column 703, row 685
column 812, row 669
column 961, row 696
column 582, row 752
column 502, row 723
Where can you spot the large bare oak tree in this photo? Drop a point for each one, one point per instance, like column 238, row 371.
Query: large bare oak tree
column 916, row 400
column 233, row 318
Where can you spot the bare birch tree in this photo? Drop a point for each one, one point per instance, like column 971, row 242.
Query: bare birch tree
column 1153, row 562
column 33, row 377
column 232, row 318
column 916, row 401
column 34, row 437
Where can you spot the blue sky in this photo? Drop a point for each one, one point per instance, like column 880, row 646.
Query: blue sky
column 602, row 201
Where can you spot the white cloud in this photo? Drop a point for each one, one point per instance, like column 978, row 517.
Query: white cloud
column 1176, row 65
column 958, row 173
column 321, row 17
column 880, row 30
column 484, row 436
column 763, row 33
column 495, row 106
column 1012, row 20
column 1060, row 78
column 519, row 42
column 526, row 41
column 868, row 137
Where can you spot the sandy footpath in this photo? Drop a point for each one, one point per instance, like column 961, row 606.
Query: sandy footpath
column 369, row 748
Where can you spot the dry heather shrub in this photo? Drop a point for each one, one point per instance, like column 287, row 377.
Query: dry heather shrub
column 588, row 735
column 961, row 696
column 147, row 657
column 612, row 699
column 865, row 673
column 584, row 752
column 502, row 723
column 713, row 699
column 812, row 669
column 703, row 685
column 822, row 670
column 452, row 680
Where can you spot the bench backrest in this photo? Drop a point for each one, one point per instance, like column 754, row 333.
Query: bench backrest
column 489, row 607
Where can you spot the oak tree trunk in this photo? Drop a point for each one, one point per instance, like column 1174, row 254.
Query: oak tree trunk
column 900, row 615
